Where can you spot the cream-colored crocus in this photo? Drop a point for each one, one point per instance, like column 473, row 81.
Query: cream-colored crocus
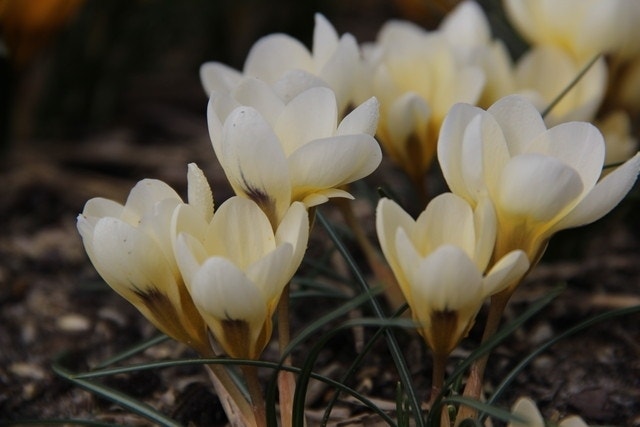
column 544, row 72
column 131, row 247
column 417, row 76
column 276, row 153
column 620, row 143
column 236, row 268
column 526, row 409
column 584, row 28
column 287, row 65
column 540, row 180
column 440, row 261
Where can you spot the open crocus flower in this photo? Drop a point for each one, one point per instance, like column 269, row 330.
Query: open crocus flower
column 285, row 63
column 417, row 76
column 131, row 248
column 583, row 28
column 440, row 261
column 236, row 268
column 527, row 410
column 540, row 180
column 276, row 153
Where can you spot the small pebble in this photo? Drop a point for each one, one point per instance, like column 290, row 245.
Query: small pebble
column 27, row 370
column 73, row 323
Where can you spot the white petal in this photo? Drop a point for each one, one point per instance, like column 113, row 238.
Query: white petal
column 363, row 119
column 310, row 115
column 322, row 196
column 466, row 25
column 408, row 115
column 190, row 254
column 223, row 291
column 525, row 408
column 325, row 39
column 272, row 272
column 216, row 76
column 520, row 122
column 341, row 69
column 506, row 272
column 130, row 261
column 451, row 146
column 447, row 280
column 390, row 217
column 218, row 109
column 294, row 82
column 100, row 207
column 604, row 196
column 447, row 219
column 145, row 194
column 200, row 196
column 253, row 158
column 486, row 226
column 331, row 162
column 579, row 145
column 537, row 187
column 294, row 229
column 273, row 55
column 243, row 230
column 256, row 93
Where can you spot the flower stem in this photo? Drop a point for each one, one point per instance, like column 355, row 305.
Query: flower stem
column 473, row 389
column 286, row 380
column 257, row 398
column 437, row 380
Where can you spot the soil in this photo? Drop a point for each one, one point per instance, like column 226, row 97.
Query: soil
column 55, row 309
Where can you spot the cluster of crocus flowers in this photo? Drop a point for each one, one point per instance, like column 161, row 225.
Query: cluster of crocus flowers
column 529, row 415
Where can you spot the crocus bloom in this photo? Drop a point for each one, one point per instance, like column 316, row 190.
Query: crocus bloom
column 440, row 261
column 131, row 248
column 540, row 180
column 417, row 76
column 276, row 153
column 583, row 28
column 527, row 410
column 236, row 268
column 290, row 67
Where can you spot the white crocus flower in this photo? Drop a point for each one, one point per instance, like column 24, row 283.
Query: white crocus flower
column 287, row 65
column 544, row 72
column 540, row 180
column 440, row 261
column 417, row 76
column 131, row 248
column 526, row 409
column 236, row 268
column 584, row 28
column 276, row 153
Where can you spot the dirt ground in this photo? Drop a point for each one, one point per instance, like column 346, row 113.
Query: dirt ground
column 54, row 306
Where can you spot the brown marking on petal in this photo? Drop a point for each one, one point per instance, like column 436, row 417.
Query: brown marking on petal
column 442, row 334
column 237, row 338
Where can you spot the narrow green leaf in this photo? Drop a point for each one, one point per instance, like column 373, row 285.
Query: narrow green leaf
column 138, row 348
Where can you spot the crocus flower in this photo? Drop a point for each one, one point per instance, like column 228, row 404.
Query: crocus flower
column 417, row 76
column 440, row 261
column 540, row 180
column 285, row 63
column 583, row 28
column 527, row 410
column 131, row 248
column 236, row 268
column 276, row 153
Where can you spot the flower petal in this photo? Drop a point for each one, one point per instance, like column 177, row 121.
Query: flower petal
column 519, row 120
column 537, row 187
column 331, row 162
column 604, row 196
column 144, row 195
column 218, row 77
column 310, row 115
column 508, row 271
column 200, row 196
column 273, row 55
column 363, row 119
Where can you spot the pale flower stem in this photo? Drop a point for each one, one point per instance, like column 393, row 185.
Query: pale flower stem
column 238, row 410
column 375, row 260
column 437, row 380
column 257, row 398
column 473, row 389
column 286, row 380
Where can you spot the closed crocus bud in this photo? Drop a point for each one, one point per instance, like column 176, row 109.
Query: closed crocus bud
column 440, row 260
column 131, row 248
column 540, row 180
column 528, row 412
column 236, row 268
column 276, row 153
column 417, row 76
column 285, row 63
